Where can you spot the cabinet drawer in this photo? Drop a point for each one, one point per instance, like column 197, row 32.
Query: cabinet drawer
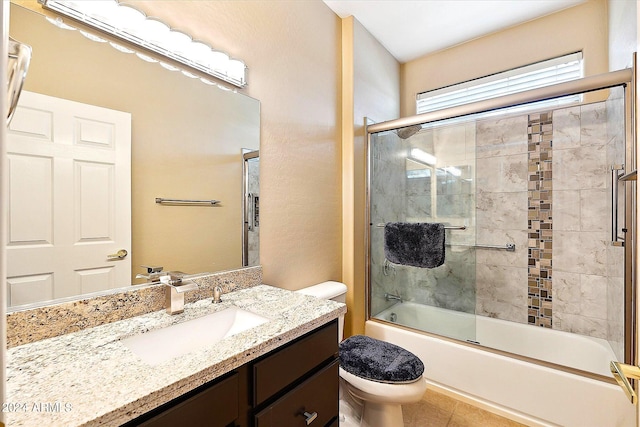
column 318, row 395
column 217, row 406
column 284, row 367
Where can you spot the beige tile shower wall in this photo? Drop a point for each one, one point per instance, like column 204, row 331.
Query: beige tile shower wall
column 581, row 220
column 615, row 254
column 388, row 204
column 501, row 200
column 453, row 286
column 454, row 146
column 580, row 28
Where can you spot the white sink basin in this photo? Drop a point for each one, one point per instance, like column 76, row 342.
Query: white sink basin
column 163, row 344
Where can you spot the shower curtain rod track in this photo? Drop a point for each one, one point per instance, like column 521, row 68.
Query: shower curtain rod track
column 574, row 87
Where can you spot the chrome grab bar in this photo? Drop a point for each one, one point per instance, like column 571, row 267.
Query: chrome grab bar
column 621, row 372
column 509, row 247
column 161, row 200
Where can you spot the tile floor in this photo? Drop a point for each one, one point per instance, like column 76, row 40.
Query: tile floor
column 438, row 410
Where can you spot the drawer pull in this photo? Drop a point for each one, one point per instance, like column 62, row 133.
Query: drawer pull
column 309, row 417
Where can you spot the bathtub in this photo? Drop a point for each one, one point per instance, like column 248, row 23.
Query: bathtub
column 526, row 392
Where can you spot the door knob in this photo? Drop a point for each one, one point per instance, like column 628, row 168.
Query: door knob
column 622, row 372
column 121, row 254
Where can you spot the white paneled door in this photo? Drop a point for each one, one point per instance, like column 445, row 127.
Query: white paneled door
column 69, row 199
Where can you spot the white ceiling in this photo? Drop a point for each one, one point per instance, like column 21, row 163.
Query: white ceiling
column 409, row 29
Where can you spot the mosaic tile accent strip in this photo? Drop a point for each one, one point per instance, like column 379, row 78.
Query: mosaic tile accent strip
column 540, row 222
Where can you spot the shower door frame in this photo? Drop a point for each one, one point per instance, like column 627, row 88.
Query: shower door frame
column 625, row 78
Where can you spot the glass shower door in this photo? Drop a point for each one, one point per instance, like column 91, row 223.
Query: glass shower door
column 424, row 176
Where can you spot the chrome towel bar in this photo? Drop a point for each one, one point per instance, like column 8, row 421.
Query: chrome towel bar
column 446, row 227
column 161, row 200
column 510, row 247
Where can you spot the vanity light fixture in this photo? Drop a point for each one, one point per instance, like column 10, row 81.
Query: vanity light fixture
column 128, row 23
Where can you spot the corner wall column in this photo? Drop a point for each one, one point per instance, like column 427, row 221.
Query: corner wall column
column 348, row 159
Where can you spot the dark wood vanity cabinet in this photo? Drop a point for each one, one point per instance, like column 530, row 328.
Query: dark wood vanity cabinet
column 294, row 385
column 213, row 405
column 298, row 385
column 314, row 402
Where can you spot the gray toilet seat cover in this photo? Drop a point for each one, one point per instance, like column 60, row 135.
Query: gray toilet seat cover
column 380, row 361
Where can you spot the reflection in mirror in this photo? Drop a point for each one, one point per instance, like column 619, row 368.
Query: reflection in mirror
column 187, row 141
column 251, row 229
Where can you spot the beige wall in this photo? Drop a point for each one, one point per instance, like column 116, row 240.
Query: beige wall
column 582, row 27
column 623, row 33
column 376, row 96
column 292, row 51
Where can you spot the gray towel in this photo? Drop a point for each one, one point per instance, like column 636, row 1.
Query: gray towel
column 416, row 244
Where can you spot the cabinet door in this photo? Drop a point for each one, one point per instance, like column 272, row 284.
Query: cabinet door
column 217, row 406
column 317, row 396
column 286, row 366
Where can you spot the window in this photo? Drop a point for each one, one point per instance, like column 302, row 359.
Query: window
column 540, row 74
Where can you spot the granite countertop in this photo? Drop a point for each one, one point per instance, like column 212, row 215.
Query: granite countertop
column 90, row 377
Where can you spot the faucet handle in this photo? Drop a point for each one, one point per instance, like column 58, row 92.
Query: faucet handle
column 217, row 291
column 152, row 268
column 178, row 284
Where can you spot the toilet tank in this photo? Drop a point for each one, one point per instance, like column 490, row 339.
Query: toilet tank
column 334, row 291
column 330, row 290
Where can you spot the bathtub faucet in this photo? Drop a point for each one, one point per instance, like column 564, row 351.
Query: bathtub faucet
column 390, row 297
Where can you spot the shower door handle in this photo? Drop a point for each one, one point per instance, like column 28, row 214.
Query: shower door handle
column 615, row 180
column 622, row 372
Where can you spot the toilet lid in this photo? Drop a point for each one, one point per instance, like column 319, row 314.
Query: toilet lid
column 380, row 361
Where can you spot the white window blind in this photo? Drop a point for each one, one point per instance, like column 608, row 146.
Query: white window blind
column 540, row 74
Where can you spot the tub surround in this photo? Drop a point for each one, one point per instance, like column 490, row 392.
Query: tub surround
column 531, row 394
column 35, row 324
column 95, row 380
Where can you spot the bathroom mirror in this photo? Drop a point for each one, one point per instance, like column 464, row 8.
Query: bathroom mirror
column 187, row 142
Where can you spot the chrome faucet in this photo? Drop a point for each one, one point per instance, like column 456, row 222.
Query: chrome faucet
column 390, row 297
column 153, row 273
column 174, row 292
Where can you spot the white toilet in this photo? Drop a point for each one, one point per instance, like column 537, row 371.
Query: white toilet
column 381, row 402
